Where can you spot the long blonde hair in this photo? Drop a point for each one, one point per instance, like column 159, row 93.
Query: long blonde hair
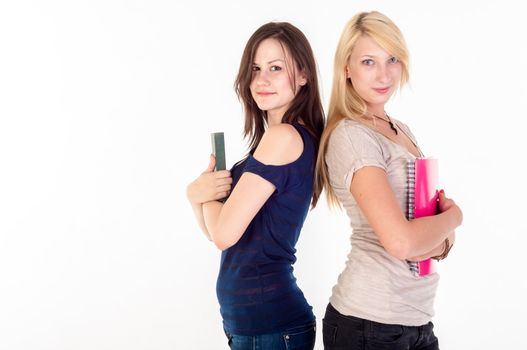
column 345, row 102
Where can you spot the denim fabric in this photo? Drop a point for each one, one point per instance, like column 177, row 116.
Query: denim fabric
column 297, row 338
column 342, row 332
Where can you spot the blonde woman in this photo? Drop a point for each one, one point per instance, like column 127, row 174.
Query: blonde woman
column 377, row 303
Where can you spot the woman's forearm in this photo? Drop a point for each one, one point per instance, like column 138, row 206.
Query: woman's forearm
column 437, row 251
column 211, row 214
column 197, row 208
column 427, row 233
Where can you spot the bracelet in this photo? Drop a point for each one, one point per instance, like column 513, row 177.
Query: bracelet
column 445, row 252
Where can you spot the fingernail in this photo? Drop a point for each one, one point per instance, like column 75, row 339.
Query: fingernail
column 442, row 191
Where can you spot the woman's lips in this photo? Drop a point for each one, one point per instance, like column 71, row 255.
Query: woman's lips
column 382, row 90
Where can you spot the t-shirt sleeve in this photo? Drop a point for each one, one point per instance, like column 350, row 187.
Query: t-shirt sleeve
column 350, row 148
column 275, row 174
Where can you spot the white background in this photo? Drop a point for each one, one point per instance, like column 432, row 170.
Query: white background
column 105, row 113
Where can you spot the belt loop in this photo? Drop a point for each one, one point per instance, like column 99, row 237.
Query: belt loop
column 367, row 328
column 367, row 331
column 420, row 337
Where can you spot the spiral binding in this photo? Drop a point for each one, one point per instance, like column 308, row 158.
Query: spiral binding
column 410, row 209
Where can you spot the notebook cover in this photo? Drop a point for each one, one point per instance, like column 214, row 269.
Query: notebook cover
column 425, row 200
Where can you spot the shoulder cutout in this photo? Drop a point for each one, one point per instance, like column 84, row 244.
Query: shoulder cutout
column 280, row 145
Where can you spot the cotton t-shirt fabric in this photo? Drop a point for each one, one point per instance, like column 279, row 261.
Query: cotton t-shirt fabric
column 256, row 288
column 375, row 285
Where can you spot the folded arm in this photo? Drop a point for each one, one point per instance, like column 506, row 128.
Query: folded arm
column 400, row 237
column 281, row 144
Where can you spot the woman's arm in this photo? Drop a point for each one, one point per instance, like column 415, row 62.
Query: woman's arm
column 437, row 251
column 197, row 208
column 227, row 222
column 281, row 144
column 209, row 186
column 401, row 238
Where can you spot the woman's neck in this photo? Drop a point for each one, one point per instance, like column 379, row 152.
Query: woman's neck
column 375, row 110
column 274, row 119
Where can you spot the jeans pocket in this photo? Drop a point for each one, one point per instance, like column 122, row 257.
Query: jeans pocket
column 329, row 333
column 301, row 339
column 387, row 332
column 387, row 336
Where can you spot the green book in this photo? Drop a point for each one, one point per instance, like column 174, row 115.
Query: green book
column 218, row 149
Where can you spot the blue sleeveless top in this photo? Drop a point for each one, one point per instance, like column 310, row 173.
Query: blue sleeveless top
column 256, row 288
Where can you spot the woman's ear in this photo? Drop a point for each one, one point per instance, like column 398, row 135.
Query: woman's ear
column 303, row 79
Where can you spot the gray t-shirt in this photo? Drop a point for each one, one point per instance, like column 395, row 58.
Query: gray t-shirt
column 375, row 285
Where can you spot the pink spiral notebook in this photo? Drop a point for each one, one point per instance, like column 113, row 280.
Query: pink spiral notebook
column 422, row 201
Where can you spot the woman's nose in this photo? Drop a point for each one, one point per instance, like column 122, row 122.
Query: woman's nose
column 261, row 78
column 382, row 73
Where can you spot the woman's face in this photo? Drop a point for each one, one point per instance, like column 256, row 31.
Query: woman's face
column 272, row 86
column 374, row 73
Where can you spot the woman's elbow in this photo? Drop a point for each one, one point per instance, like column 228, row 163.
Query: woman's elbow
column 222, row 240
column 394, row 239
column 221, row 244
column 398, row 248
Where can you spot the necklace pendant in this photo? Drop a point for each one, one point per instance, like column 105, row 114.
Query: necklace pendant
column 388, row 120
column 393, row 128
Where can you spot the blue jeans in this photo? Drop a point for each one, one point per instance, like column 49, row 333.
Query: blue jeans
column 342, row 332
column 297, row 338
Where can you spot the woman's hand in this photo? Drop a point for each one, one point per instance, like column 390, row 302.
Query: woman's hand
column 446, row 204
column 210, row 185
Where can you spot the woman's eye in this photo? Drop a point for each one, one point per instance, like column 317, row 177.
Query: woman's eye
column 368, row 62
column 275, row 68
column 255, row 68
column 393, row 60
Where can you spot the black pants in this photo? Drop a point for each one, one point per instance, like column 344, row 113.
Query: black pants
column 342, row 332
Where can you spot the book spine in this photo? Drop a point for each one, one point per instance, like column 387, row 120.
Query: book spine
column 218, row 149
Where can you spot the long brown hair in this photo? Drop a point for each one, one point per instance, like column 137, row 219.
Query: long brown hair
column 306, row 105
column 345, row 102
